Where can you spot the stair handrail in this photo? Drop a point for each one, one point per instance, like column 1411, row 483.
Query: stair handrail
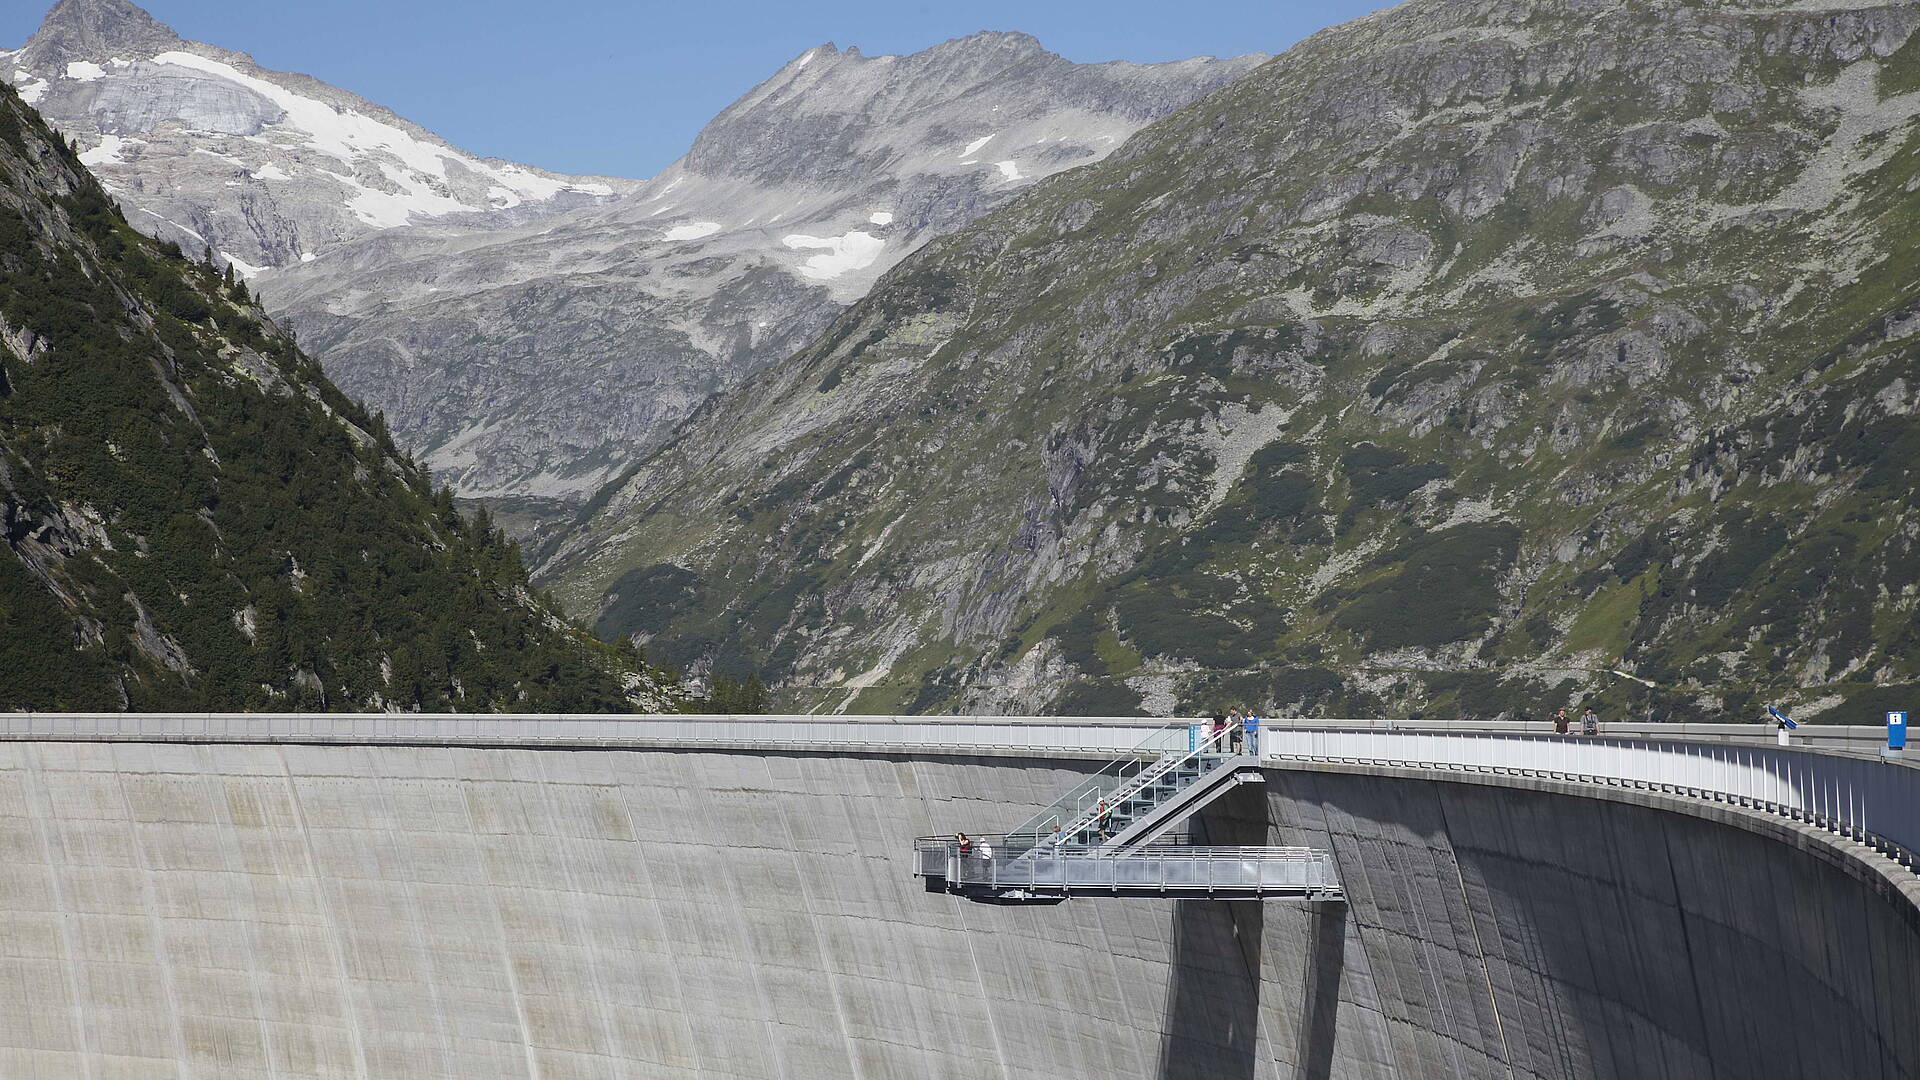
column 1167, row 763
column 1091, row 789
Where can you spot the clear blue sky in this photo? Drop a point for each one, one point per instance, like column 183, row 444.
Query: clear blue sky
column 622, row 87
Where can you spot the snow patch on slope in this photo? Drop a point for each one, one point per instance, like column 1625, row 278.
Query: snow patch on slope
column 852, row 251
column 692, row 231
column 85, row 71
column 108, row 152
column 974, row 146
column 413, row 183
column 1008, row 170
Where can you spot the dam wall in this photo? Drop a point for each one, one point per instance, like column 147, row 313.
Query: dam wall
column 176, row 911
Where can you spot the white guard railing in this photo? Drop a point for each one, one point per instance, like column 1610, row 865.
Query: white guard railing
column 880, row 733
column 1846, row 790
column 1872, row 800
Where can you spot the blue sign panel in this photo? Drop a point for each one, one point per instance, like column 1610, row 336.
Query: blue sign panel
column 1896, row 731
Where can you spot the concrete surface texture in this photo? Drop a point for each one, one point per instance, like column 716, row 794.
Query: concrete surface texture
column 284, row 911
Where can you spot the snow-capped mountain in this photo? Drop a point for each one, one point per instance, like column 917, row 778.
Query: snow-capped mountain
column 540, row 361
column 207, row 148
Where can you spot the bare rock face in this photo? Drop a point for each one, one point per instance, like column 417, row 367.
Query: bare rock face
column 533, row 365
column 206, row 148
column 1449, row 363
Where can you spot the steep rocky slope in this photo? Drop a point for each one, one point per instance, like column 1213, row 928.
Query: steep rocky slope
column 206, row 148
column 195, row 518
column 1445, row 364
column 538, row 362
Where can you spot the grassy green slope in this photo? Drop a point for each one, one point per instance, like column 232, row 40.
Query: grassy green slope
column 197, row 519
column 1442, row 365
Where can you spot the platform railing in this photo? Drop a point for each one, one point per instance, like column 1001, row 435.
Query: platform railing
column 1875, row 802
column 1003, row 863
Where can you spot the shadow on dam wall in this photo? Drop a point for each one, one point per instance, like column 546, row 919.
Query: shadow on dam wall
column 255, row 911
column 1498, row 931
column 1213, row 1003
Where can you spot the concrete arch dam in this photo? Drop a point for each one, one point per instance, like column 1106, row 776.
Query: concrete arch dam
column 281, row 909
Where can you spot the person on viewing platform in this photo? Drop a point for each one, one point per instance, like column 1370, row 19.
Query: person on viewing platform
column 966, row 843
column 986, row 849
column 1249, row 732
column 1561, row 725
column 1219, row 727
column 1589, row 722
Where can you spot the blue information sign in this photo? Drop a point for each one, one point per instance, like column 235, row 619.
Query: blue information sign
column 1896, row 731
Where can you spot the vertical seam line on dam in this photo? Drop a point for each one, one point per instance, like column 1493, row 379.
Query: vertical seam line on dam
column 674, row 962
column 1686, row 941
column 828, row 968
column 335, row 947
column 589, row 941
column 967, row 932
column 156, row 926
column 500, row 928
column 769, row 1026
column 70, row 966
column 1479, row 946
column 235, row 862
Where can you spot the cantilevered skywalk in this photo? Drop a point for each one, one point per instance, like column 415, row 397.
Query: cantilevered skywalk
column 1116, row 834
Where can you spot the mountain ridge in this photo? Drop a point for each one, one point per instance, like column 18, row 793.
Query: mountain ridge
column 1452, row 360
column 528, row 366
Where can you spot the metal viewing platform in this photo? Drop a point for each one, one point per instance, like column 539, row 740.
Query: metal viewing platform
column 1106, row 835
column 996, row 870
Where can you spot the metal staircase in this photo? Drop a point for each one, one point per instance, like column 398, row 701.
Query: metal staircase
column 1135, row 800
column 1103, row 836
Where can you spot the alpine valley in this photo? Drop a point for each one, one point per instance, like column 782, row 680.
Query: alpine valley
column 1467, row 359
column 530, row 366
column 529, row 355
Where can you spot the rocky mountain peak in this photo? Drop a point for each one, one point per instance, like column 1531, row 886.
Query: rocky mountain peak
column 814, row 119
column 84, row 29
column 214, row 151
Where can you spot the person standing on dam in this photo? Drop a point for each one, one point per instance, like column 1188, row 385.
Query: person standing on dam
column 1561, row 725
column 1589, row 722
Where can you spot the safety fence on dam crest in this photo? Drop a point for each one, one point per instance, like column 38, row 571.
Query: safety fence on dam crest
column 1833, row 783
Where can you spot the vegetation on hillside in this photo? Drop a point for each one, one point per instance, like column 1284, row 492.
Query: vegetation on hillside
column 197, row 519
